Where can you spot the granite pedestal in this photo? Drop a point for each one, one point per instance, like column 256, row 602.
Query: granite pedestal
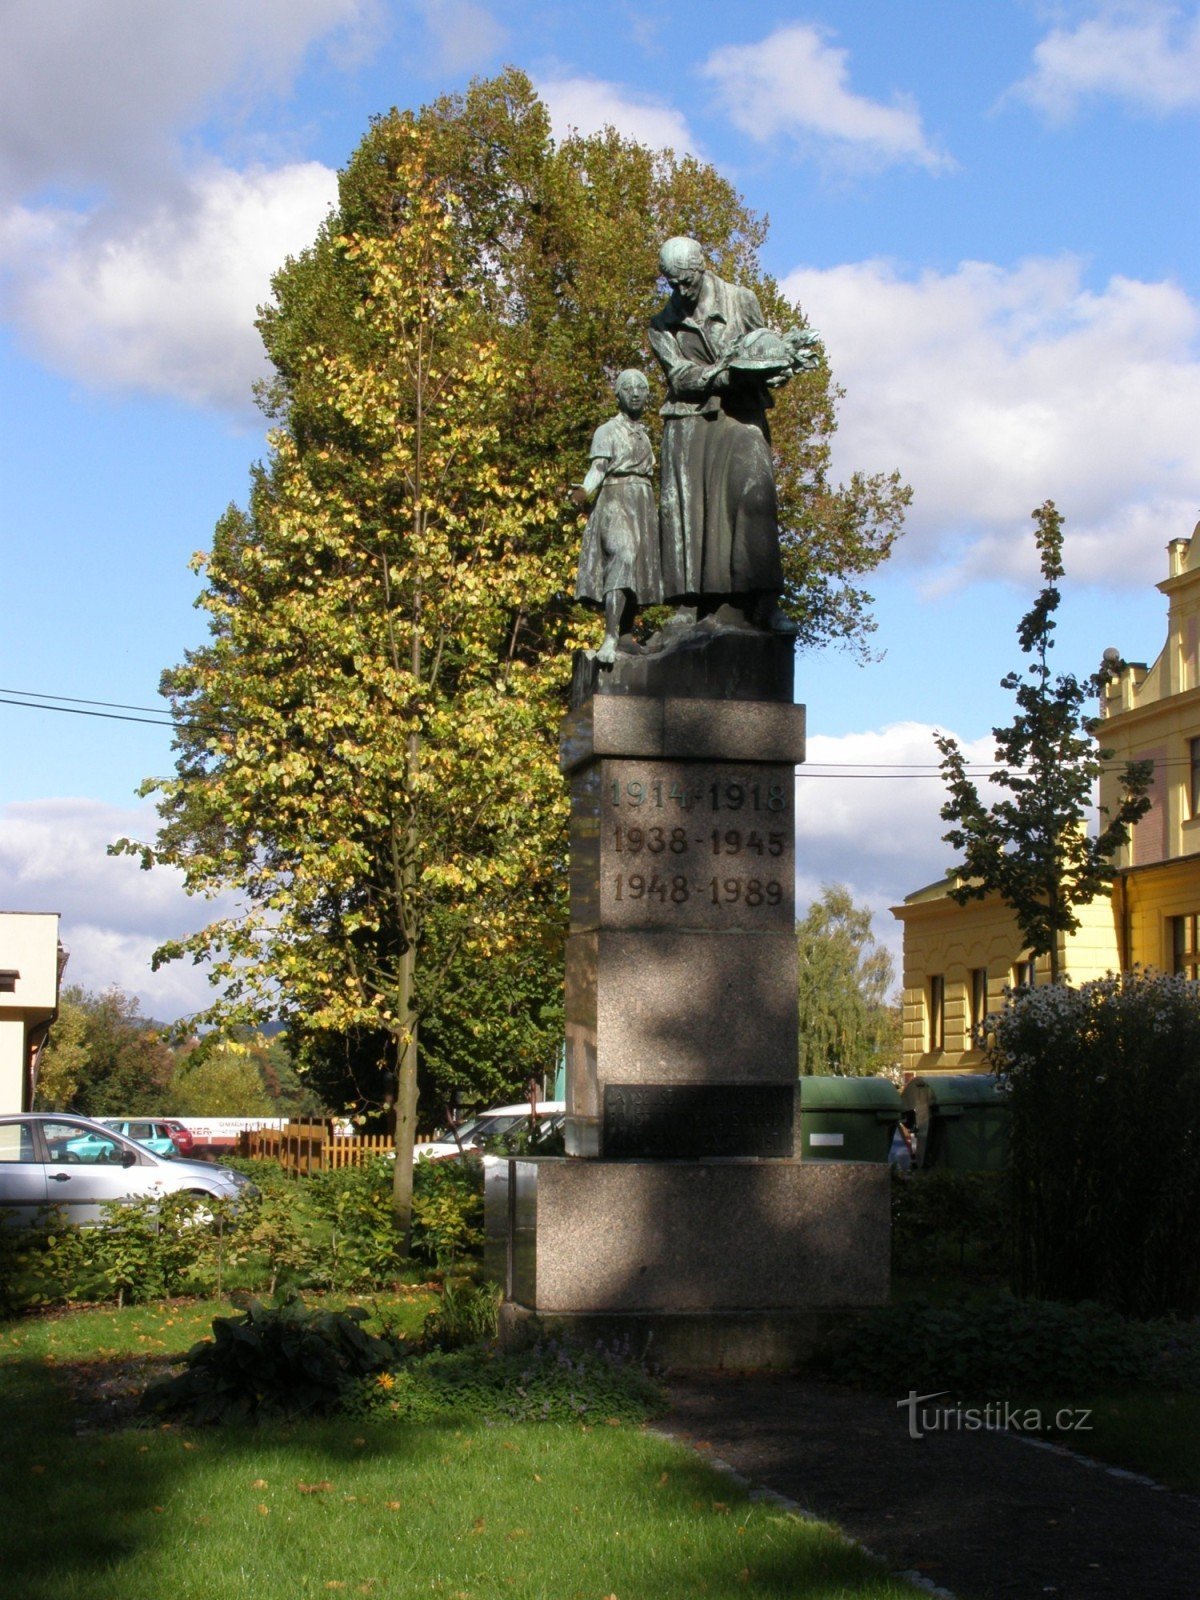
column 680, row 1212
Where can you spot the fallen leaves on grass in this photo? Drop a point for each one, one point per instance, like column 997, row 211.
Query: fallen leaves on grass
column 315, row 1488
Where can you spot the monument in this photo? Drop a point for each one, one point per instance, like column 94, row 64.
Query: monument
column 680, row 1215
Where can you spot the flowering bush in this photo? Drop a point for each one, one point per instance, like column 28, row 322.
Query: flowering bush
column 1104, row 1086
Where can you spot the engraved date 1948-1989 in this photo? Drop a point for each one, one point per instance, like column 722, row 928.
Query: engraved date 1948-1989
column 679, row 889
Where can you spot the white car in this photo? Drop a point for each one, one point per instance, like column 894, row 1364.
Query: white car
column 490, row 1129
column 51, row 1159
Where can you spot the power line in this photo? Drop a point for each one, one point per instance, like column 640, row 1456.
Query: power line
column 70, row 705
column 78, row 711
column 71, row 700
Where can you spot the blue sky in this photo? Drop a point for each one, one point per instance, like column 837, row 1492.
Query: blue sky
column 987, row 208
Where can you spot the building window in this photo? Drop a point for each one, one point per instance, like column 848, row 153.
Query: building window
column 1194, row 778
column 979, row 1003
column 1025, row 974
column 937, row 1012
column 1185, row 945
column 8, row 982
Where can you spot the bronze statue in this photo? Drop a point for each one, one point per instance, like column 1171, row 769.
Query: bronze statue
column 619, row 567
column 719, row 520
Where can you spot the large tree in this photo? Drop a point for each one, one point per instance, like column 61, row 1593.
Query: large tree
column 366, row 743
column 1033, row 849
column 103, row 1058
column 848, row 1025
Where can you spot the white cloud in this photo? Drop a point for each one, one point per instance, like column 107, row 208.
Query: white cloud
column 993, row 389
column 53, row 857
column 463, row 34
column 91, row 91
column 867, row 815
column 588, row 105
column 163, row 304
column 1145, row 54
column 795, row 82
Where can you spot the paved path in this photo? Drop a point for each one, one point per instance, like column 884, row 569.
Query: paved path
column 981, row 1514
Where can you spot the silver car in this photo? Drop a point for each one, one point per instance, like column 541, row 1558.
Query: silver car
column 51, row 1159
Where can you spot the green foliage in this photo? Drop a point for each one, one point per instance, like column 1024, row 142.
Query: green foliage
column 151, row 1246
column 364, row 1248
column 107, row 1060
column 41, row 1265
column 64, row 1060
column 1033, row 849
column 846, row 1023
column 126, row 1250
column 447, row 1210
column 552, row 1382
column 962, row 1220
column 466, row 1313
column 1009, row 1347
column 220, row 1079
column 284, row 1360
column 275, row 1232
column 1103, row 1082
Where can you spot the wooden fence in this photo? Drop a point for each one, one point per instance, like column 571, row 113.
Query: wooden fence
column 303, row 1147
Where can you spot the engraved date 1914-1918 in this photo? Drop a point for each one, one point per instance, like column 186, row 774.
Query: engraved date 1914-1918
column 727, row 795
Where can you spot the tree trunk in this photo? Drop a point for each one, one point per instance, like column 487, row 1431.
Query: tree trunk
column 405, row 1041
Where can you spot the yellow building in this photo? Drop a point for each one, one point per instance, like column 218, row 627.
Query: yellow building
column 31, row 964
column 958, row 960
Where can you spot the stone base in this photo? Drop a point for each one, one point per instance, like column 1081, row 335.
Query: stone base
column 743, row 1341
column 720, row 658
column 718, row 1258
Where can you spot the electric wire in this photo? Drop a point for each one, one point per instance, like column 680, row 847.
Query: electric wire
column 38, row 700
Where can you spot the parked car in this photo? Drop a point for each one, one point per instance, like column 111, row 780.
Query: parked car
column 497, row 1131
column 155, row 1136
column 185, row 1139
column 42, row 1165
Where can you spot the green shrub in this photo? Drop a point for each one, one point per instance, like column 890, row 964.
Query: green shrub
column 356, row 1202
column 550, row 1383
column 1008, row 1347
column 43, row 1265
column 466, row 1313
column 946, row 1218
column 284, row 1360
column 447, row 1210
column 1104, row 1087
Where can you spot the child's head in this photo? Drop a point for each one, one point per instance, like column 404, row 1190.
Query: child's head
column 633, row 391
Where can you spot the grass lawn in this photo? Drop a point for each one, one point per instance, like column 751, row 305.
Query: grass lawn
column 451, row 1509
column 1158, row 1434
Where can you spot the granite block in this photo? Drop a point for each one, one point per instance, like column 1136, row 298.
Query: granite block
column 703, row 1236
column 683, row 844
column 671, row 1007
column 733, row 731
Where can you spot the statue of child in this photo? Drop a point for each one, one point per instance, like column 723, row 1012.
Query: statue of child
column 620, row 566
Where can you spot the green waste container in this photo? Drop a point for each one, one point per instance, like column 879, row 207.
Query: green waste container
column 847, row 1119
column 962, row 1121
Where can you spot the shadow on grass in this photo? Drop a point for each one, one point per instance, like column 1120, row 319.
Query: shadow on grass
column 387, row 1509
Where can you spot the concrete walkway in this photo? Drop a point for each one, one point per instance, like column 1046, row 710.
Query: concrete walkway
column 983, row 1515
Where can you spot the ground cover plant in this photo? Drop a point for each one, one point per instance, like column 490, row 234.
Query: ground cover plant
column 1139, row 1382
column 371, row 1506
